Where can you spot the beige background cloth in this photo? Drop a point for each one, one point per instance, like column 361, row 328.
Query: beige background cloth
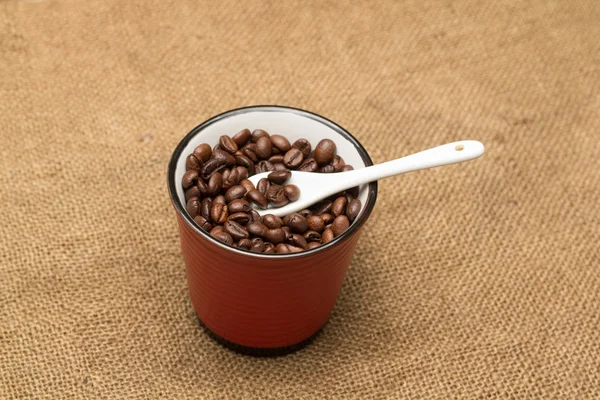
column 478, row 280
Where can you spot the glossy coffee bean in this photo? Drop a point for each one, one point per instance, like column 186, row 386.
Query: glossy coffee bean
column 264, row 166
column 228, row 144
column 282, row 248
column 247, row 184
column 327, row 169
column 250, row 152
column 245, row 244
column 257, row 134
column 223, row 237
column 263, row 148
column 275, row 236
column 205, row 208
column 327, row 218
column 236, row 230
column 303, row 145
column 219, row 199
column 242, row 172
column 323, row 207
column 258, row 198
column 305, row 213
column 324, row 151
column 297, row 223
column 292, row 192
column 254, row 215
column 234, row 193
column 193, row 163
column 279, row 177
column 279, row 167
column 271, row 221
column 276, row 196
column 280, row 142
column 257, row 229
column 339, row 206
column 215, row 229
column 276, row 159
column 203, row 152
column 193, row 206
column 189, row 178
column 216, row 147
column 245, row 162
column 340, row 224
column 312, row 245
column 315, row 223
column 239, row 205
column 337, row 163
column 297, row 240
column 202, row 187
column 327, row 236
column 203, row 223
column 263, row 186
column 309, row 165
column 287, row 230
column 257, row 245
column 224, row 156
column 242, row 137
column 215, row 184
column 231, row 179
column 312, row 236
column 353, row 209
column 347, row 168
column 240, row 217
column 211, row 166
column 269, row 248
column 293, row 158
column 192, row 192
column 354, row 191
column 218, row 213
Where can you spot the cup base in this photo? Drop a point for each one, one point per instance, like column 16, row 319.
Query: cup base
column 259, row 351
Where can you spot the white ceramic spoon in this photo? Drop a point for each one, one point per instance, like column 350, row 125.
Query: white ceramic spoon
column 316, row 186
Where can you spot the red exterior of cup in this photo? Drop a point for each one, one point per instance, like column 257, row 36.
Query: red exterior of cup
column 263, row 302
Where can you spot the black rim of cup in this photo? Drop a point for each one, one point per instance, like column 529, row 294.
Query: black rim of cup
column 181, row 210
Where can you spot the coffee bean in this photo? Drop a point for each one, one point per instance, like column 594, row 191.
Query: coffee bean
column 247, row 183
column 327, row 169
column 264, row 166
column 282, row 248
column 202, row 187
column 257, row 245
column 323, row 207
column 215, row 183
column 203, row 152
column 297, row 223
column 263, row 185
column 257, row 229
column 250, row 152
column 224, row 237
column 263, row 148
column 347, row 168
column 223, row 156
column 286, row 219
column 202, row 223
column 246, row 162
column 274, row 151
column 228, row 144
column 240, row 217
column 192, row 192
column 205, row 208
column 189, row 178
column 254, row 215
column 280, row 142
column 275, row 236
column 339, row 206
column 312, row 245
column 324, row 151
column 215, row 229
column 327, row 236
column 216, row 147
column 303, row 145
column 312, row 236
column 309, row 165
column 295, row 249
column 337, row 163
column 220, row 199
column 354, row 191
column 258, row 198
column 218, row 213
column 297, row 240
column 271, row 221
column 231, row 179
column 352, row 209
column 280, row 167
column 234, row 193
column 292, row 192
column 276, row 196
column 193, row 163
column 340, row 224
column 287, row 230
column 239, row 205
column 269, row 248
column 193, row 206
column 257, row 134
column 236, row 231
column 327, row 218
column 305, row 213
column 276, row 159
column 279, row 177
column 211, row 166
column 245, row 244
column 315, row 223
column 293, row 158
column 242, row 137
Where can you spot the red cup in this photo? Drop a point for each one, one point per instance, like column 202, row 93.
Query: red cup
column 265, row 304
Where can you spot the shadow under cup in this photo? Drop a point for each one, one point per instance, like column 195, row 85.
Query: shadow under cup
column 265, row 304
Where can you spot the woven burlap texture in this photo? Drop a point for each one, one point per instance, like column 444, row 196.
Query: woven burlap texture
column 478, row 280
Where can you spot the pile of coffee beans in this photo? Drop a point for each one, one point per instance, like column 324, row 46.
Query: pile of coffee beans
column 219, row 194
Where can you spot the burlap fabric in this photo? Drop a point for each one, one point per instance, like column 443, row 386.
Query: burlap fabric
column 478, row 280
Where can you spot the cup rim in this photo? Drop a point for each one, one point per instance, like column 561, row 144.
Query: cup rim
column 180, row 208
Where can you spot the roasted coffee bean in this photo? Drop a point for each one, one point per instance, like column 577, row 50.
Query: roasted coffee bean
column 264, row 166
column 257, row 134
column 215, row 184
column 271, row 221
column 263, row 186
column 292, row 192
column 315, row 223
column 327, row 218
column 352, row 209
column 340, row 224
column 258, row 198
column 219, row 213
column 254, row 215
column 257, row 245
column 228, row 144
column 238, row 153
column 205, row 208
column 280, row 142
column 242, row 137
column 247, row 183
column 324, row 151
column 215, row 229
column 189, row 178
column 347, row 168
column 257, row 229
column 327, row 169
column 275, row 151
column 297, row 223
column 312, row 245
column 275, row 236
column 223, row 155
column 295, row 249
column 202, row 222
column 216, row 147
column 224, row 237
column 297, row 240
column 287, row 230
column 245, row 162
column 219, row 199
column 303, row 145
column 245, row 244
column 203, row 152
column 323, row 207
column 242, row 172
column 193, row 163
column 280, row 167
column 250, row 151
column 211, row 166
column 309, row 165
column 279, row 177
column 327, row 236
column 339, row 206
column 232, row 179
column 193, row 206
column 312, row 236
column 353, row 191
column 282, row 248
column 337, row 163
column 293, row 158
column 239, row 205
column 269, row 248
column 286, row 219
column 305, row 213
column 192, row 192
column 276, row 196
column 240, row 217
column 234, row 193
column 236, row 230
column 276, row 159
column 263, row 148
column 202, row 187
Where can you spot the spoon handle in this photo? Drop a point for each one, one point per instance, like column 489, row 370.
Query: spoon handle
column 435, row 157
